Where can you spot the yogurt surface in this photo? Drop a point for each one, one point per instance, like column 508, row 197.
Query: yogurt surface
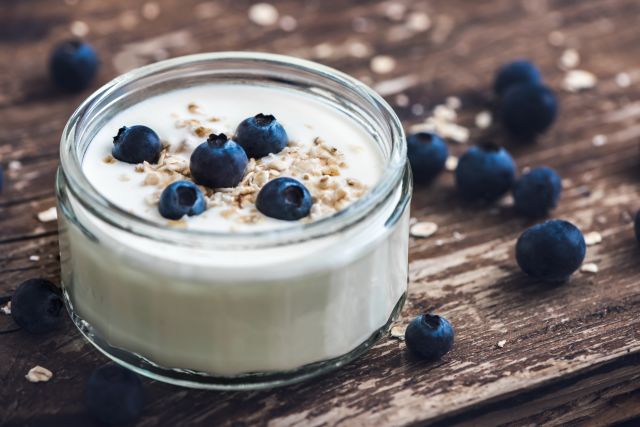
column 183, row 119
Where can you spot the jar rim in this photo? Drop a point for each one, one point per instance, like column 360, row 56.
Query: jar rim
column 71, row 174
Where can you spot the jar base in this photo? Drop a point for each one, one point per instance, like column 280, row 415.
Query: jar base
column 202, row 380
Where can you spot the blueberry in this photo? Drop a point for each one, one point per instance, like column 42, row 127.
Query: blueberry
column 36, row 306
column 429, row 336
column 427, row 154
column 537, row 192
column 528, row 109
column 551, row 251
column 516, row 72
column 181, row 198
column 636, row 226
column 114, row 395
column 219, row 162
column 136, row 144
column 73, row 65
column 261, row 135
column 284, row 198
column 485, row 171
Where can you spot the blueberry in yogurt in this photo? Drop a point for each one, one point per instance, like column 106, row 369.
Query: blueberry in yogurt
column 284, row 198
column 513, row 73
column 37, row 306
column 485, row 172
column 181, row 198
column 551, row 251
column 136, row 144
column 114, row 395
column 427, row 154
column 429, row 336
column 260, row 135
column 73, row 65
column 219, row 162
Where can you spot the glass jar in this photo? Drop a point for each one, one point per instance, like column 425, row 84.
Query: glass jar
column 234, row 310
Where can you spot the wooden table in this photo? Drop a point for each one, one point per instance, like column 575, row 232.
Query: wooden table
column 571, row 354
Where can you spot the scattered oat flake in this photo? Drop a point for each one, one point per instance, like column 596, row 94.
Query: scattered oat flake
column 48, row 215
column 589, row 267
column 14, row 165
column 6, row 309
column 382, row 64
column 398, row 332
column 151, row 10
column 483, row 119
column 38, row 374
column 34, row 258
column 577, row 80
column 288, row 23
column 556, row 38
column 423, row 229
column 623, row 80
column 458, row 236
column 451, row 163
column 599, row 140
column 79, row 28
column 359, row 49
column 264, row 14
column 418, row 21
column 402, row 100
column 453, row 102
column 501, row 343
column 570, row 59
column 592, row 238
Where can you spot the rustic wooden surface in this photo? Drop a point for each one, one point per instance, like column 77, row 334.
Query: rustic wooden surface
column 572, row 353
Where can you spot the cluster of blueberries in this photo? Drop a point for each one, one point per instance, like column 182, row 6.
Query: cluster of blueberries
column 217, row 163
column 550, row 251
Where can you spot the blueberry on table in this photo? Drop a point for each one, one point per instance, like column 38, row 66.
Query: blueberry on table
column 537, row 192
column 284, row 198
column 114, row 395
column 429, row 336
column 551, row 251
column 219, row 162
column 37, row 306
column 181, row 198
column 73, row 65
column 516, row 72
column 485, row 172
column 427, row 154
column 261, row 135
column 136, row 144
column 528, row 109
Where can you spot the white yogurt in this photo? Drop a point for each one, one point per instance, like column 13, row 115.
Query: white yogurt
column 304, row 119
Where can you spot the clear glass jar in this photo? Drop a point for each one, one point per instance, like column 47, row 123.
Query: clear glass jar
column 177, row 305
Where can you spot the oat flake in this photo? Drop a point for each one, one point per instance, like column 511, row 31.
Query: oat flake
column 38, row 374
column 34, row 258
column 382, row 64
column 483, row 119
column 599, row 140
column 501, row 343
column 592, row 238
column 623, row 80
column 570, row 59
column 589, row 267
column 423, row 229
column 577, row 80
column 6, row 309
column 48, row 215
column 451, row 163
column 264, row 14
column 398, row 332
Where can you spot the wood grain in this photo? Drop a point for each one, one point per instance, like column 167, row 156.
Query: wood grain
column 572, row 352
